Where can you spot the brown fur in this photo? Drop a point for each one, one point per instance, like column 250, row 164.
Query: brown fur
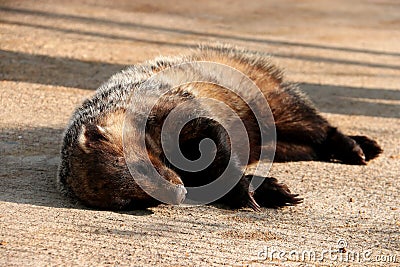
column 94, row 166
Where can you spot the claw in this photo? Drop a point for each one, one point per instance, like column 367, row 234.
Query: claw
column 294, row 201
column 253, row 204
column 273, row 194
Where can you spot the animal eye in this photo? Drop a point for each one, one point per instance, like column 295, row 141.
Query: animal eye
column 119, row 160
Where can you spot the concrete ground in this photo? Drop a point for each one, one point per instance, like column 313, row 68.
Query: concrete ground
column 344, row 54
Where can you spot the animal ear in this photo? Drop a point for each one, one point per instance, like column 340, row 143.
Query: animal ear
column 91, row 135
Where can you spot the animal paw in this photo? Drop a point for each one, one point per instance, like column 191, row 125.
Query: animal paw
column 272, row 194
column 180, row 194
column 370, row 147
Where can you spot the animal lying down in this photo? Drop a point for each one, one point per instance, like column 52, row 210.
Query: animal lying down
column 96, row 169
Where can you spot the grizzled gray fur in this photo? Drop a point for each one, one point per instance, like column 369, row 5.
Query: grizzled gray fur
column 94, row 169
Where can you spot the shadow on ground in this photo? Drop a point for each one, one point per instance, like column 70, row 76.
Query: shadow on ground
column 30, row 161
column 76, row 73
column 57, row 71
column 130, row 25
column 347, row 100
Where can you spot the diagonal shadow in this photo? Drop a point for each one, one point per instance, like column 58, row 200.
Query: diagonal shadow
column 337, row 61
column 89, row 75
column 177, row 44
column 96, row 34
column 99, row 21
column 354, row 100
column 59, row 71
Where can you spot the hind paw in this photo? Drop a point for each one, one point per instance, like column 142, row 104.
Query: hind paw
column 272, row 194
column 370, row 147
column 344, row 149
column 355, row 155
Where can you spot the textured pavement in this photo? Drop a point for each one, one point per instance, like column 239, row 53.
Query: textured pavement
column 344, row 54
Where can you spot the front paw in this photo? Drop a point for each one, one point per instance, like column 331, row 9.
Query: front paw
column 180, row 194
column 173, row 194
